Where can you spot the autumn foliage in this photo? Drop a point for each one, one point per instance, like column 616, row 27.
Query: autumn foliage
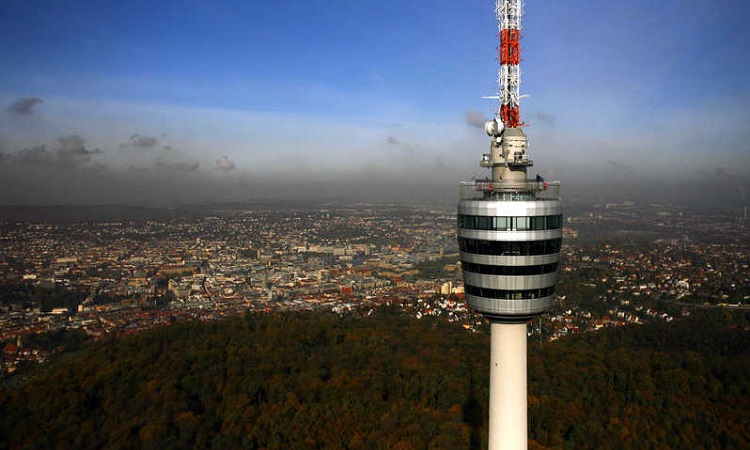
column 315, row 380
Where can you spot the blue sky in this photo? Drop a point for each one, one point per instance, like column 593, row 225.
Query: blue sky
column 211, row 96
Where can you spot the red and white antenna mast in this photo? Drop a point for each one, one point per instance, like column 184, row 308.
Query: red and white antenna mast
column 509, row 14
column 508, row 157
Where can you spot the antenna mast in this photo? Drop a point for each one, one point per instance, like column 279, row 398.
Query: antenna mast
column 509, row 14
column 508, row 157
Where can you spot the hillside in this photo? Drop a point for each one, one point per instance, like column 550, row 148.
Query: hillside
column 306, row 381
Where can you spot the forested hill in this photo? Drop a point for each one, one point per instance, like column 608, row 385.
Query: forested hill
column 386, row 381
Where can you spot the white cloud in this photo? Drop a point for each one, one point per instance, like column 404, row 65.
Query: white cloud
column 224, row 164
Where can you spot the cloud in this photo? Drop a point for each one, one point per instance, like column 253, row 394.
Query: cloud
column 34, row 156
column 75, row 145
column 224, row 164
column 191, row 165
column 475, row 119
column 140, row 141
column 71, row 153
column 24, row 106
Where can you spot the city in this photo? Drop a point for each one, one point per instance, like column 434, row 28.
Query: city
column 622, row 263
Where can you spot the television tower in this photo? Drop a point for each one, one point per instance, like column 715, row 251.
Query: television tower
column 509, row 234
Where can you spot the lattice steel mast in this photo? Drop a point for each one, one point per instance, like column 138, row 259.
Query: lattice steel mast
column 509, row 15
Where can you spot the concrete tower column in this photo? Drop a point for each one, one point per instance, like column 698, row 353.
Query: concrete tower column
column 508, row 387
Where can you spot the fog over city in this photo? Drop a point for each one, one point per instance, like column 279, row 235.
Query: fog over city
column 148, row 113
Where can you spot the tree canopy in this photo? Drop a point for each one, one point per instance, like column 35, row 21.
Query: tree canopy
column 317, row 380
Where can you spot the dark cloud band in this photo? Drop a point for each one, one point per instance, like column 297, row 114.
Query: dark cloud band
column 24, row 106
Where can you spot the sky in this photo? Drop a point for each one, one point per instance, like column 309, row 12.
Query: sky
column 155, row 103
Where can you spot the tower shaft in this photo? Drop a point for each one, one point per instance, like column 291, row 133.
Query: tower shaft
column 508, row 403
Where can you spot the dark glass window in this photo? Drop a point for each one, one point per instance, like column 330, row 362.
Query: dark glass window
column 554, row 222
column 502, row 248
column 485, row 269
column 490, row 223
column 508, row 295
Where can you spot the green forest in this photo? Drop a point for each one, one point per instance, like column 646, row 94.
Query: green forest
column 321, row 381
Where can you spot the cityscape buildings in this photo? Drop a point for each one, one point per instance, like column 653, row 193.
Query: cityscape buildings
column 617, row 261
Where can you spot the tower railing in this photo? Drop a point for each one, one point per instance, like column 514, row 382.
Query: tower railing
column 529, row 190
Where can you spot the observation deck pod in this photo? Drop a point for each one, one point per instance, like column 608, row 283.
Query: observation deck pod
column 510, row 236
